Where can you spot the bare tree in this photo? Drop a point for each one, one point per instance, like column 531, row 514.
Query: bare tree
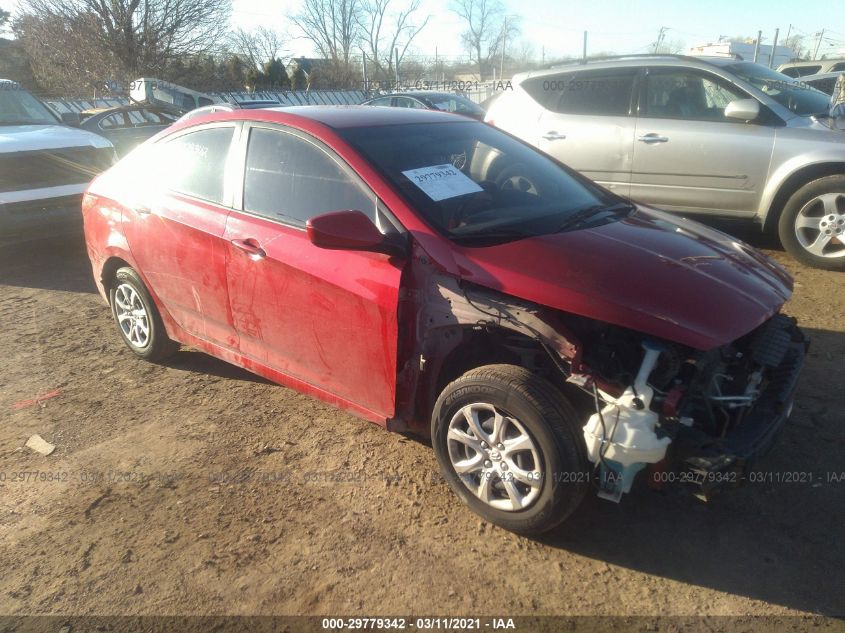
column 4, row 19
column 79, row 43
column 332, row 26
column 257, row 46
column 384, row 32
column 488, row 29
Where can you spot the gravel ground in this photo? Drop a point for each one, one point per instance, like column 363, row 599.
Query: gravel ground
column 196, row 488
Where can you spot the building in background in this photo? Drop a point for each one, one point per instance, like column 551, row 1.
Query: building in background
column 782, row 55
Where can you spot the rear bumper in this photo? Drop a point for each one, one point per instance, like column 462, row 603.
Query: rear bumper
column 711, row 465
column 41, row 218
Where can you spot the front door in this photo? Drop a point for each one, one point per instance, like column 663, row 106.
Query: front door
column 326, row 318
column 688, row 156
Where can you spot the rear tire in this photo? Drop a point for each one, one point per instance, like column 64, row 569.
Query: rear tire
column 812, row 224
column 517, row 444
column 137, row 317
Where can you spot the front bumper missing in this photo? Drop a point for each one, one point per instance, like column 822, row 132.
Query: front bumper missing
column 709, row 465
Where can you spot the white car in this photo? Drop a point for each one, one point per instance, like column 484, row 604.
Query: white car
column 45, row 167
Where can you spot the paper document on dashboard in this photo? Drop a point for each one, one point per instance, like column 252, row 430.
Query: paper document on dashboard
column 440, row 182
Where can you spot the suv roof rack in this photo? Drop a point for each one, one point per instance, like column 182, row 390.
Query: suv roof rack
column 697, row 58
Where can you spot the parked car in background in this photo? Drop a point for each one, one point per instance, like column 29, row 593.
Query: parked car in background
column 815, row 67
column 381, row 260
column 166, row 94
column 825, row 82
column 128, row 126
column 430, row 100
column 713, row 136
column 230, row 106
column 45, row 167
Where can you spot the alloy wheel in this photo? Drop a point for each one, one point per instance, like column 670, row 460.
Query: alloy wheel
column 132, row 315
column 820, row 225
column 495, row 457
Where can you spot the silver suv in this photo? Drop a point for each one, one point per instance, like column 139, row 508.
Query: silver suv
column 716, row 136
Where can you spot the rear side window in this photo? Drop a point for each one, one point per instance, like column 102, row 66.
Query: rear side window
column 195, row 162
column 837, row 67
column 292, row 180
column 598, row 92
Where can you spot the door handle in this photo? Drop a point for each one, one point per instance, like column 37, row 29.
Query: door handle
column 552, row 135
column 653, row 138
column 250, row 247
column 142, row 210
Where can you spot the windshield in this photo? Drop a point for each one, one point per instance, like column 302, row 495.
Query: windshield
column 454, row 103
column 791, row 93
column 18, row 107
column 477, row 185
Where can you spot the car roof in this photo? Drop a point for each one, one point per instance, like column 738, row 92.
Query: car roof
column 618, row 61
column 420, row 94
column 345, row 116
column 122, row 108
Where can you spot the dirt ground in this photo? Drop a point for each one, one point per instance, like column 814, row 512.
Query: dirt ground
column 197, row 488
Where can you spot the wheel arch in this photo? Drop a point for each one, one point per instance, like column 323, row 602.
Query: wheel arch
column 792, row 183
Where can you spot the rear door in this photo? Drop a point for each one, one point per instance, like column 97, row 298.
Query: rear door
column 688, row 156
column 175, row 227
column 587, row 122
column 326, row 318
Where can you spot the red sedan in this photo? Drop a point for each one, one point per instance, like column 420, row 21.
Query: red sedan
column 434, row 274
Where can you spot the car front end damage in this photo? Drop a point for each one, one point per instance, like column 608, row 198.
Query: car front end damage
column 679, row 414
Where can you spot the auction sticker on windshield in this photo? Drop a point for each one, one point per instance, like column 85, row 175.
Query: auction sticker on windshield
column 440, row 182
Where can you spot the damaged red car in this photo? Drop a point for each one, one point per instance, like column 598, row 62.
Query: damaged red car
column 433, row 274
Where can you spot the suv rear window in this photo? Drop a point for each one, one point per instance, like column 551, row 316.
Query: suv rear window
column 596, row 92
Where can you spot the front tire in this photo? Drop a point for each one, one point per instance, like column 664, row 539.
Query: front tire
column 509, row 445
column 812, row 225
column 137, row 317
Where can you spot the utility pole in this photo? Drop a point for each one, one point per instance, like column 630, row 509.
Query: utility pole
column 660, row 36
column 504, row 40
column 774, row 48
column 757, row 46
column 364, row 62
column 543, row 56
column 584, row 56
column 818, row 43
column 396, row 50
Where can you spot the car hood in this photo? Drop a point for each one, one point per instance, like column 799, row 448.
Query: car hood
column 26, row 138
column 652, row 272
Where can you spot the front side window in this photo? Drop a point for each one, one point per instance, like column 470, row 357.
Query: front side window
column 684, row 94
column 455, row 103
column 113, row 121
column 477, row 185
column 290, row 179
column 194, row 163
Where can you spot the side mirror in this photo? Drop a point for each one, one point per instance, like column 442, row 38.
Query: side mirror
column 743, row 109
column 71, row 118
column 349, row 231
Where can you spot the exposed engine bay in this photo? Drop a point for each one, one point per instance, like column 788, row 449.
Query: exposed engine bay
column 707, row 412
column 686, row 415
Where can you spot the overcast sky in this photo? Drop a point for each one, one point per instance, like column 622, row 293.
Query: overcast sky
column 621, row 26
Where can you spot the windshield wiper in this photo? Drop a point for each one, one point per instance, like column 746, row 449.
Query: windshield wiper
column 493, row 233
column 582, row 214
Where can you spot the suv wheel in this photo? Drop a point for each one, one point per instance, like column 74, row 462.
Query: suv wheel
column 509, row 445
column 137, row 317
column 812, row 225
